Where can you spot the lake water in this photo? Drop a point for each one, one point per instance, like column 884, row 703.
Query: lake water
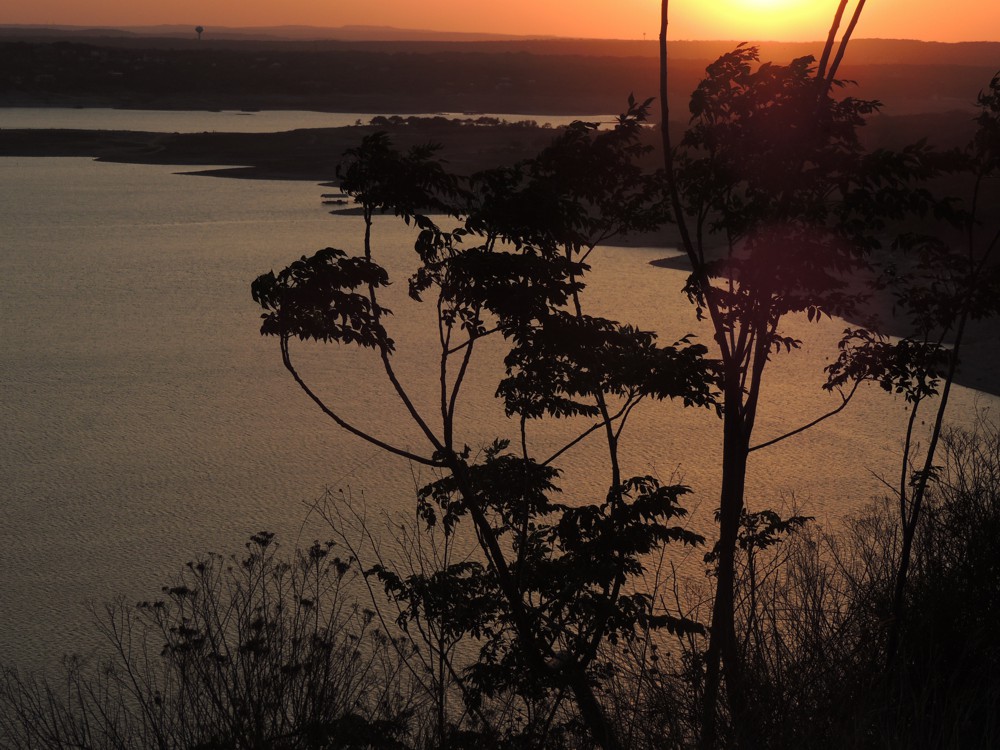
column 270, row 121
column 144, row 420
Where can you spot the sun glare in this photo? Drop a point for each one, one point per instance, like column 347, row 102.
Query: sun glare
column 765, row 19
column 767, row 4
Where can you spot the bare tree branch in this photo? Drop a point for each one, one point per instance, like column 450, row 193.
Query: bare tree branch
column 287, row 360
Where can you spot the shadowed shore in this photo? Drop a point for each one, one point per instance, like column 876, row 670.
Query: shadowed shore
column 980, row 358
column 294, row 155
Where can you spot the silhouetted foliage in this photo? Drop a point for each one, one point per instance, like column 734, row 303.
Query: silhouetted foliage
column 243, row 652
column 771, row 171
column 544, row 635
column 782, row 211
column 552, row 584
column 940, row 282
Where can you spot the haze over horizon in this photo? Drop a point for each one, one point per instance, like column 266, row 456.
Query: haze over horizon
column 764, row 20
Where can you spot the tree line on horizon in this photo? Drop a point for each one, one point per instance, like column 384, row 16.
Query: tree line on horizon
column 547, row 77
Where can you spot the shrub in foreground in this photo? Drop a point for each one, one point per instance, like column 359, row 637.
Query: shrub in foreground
column 249, row 652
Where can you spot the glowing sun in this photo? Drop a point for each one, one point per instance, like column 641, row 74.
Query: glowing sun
column 766, row 19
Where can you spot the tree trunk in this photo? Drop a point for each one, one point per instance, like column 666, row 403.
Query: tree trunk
column 592, row 713
column 723, row 651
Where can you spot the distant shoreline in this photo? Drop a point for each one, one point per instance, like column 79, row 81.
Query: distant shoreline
column 307, row 154
column 311, row 155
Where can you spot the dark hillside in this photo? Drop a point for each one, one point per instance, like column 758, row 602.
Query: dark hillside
column 529, row 76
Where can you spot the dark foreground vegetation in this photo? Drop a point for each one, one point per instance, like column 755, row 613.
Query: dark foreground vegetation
column 268, row 649
column 516, row 617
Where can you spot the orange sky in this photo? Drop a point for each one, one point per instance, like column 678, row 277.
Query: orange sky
column 954, row 20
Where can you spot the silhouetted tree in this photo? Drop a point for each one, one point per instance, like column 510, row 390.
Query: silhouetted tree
column 552, row 584
column 940, row 283
column 771, row 169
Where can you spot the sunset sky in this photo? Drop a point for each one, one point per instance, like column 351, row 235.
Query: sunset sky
column 956, row 20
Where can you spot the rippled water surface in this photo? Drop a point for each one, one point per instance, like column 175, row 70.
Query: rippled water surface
column 144, row 420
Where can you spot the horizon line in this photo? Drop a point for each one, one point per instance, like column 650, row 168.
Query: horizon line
column 485, row 35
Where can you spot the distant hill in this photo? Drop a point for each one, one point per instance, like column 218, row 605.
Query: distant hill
column 262, row 33
column 50, row 66
column 392, row 39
